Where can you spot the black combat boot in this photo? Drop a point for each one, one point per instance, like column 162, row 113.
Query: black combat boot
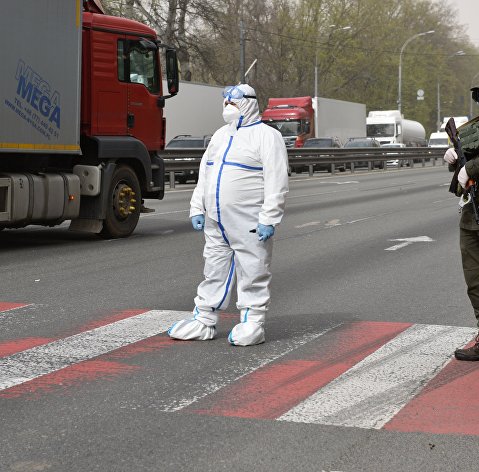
column 470, row 353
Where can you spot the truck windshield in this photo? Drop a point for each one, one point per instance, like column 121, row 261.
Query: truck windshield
column 380, row 130
column 439, row 142
column 286, row 128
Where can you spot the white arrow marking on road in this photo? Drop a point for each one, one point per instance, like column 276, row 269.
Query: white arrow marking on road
column 408, row 241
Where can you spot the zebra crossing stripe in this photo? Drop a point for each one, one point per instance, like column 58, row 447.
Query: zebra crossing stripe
column 272, row 390
column 373, row 391
column 41, row 360
column 8, row 306
column 275, row 350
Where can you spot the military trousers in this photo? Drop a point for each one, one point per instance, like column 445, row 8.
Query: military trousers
column 469, row 242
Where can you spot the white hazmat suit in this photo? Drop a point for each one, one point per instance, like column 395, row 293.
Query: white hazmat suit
column 243, row 182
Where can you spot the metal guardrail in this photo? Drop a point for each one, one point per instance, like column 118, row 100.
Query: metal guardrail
column 189, row 159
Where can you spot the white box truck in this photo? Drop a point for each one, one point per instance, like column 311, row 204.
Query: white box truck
column 389, row 126
column 439, row 139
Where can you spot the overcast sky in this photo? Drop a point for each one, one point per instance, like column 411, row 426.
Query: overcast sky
column 469, row 16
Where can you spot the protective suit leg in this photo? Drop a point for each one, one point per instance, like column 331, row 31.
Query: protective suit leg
column 253, row 259
column 250, row 331
column 214, row 292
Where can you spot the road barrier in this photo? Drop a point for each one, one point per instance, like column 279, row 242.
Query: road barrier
column 189, row 159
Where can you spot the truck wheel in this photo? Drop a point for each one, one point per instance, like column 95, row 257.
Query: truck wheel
column 124, row 202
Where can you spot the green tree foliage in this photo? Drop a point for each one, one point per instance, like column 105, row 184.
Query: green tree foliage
column 354, row 44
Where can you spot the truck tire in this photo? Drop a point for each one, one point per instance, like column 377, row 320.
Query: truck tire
column 124, row 204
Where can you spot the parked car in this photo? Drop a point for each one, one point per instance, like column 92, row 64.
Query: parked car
column 186, row 141
column 394, row 163
column 364, row 143
column 333, row 142
column 329, row 142
column 324, row 143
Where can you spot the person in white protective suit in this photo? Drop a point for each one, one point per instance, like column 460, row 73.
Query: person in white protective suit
column 238, row 201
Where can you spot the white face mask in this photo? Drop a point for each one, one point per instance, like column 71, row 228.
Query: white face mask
column 231, row 113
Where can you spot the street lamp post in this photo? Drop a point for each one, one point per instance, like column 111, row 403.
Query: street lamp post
column 316, row 73
column 400, row 64
column 457, row 53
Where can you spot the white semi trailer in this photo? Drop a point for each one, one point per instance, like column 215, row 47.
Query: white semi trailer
column 389, row 126
column 197, row 111
column 340, row 118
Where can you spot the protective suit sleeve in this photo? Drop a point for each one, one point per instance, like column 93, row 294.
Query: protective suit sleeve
column 275, row 172
column 197, row 202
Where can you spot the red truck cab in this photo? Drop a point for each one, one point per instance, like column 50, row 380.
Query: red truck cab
column 293, row 117
column 120, row 97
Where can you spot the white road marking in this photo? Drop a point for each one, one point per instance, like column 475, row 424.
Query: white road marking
column 311, row 223
column 323, row 180
column 369, row 394
column 149, row 215
column 5, row 310
column 360, row 220
column 292, row 197
column 407, row 241
column 41, row 360
column 332, row 223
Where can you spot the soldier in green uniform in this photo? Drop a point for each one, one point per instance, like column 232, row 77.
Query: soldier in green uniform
column 469, row 243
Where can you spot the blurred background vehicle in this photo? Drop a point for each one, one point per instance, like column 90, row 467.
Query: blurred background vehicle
column 333, row 142
column 186, row 141
column 439, row 139
column 390, row 126
column 363, row 142
column 394, row 163
column 323, row 143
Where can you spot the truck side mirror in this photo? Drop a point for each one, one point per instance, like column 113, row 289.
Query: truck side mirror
column 147, row 45
column 172, row 75
column 475, row 94
column 306, row 127
column 399, row 129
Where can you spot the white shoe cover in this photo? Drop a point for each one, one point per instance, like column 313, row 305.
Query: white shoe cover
column 247, row 333
column 191, row 330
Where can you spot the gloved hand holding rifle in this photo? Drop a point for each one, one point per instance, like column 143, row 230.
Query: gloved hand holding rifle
column 461, row 184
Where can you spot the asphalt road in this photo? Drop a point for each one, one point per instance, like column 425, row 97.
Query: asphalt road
column 368, row 304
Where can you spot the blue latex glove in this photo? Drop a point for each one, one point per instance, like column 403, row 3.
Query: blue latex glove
column 198, row 222
column 264, row 231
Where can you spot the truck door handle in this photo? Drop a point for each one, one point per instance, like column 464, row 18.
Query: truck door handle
column 130, row 120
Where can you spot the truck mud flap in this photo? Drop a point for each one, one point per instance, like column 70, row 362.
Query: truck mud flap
column 94, row 208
